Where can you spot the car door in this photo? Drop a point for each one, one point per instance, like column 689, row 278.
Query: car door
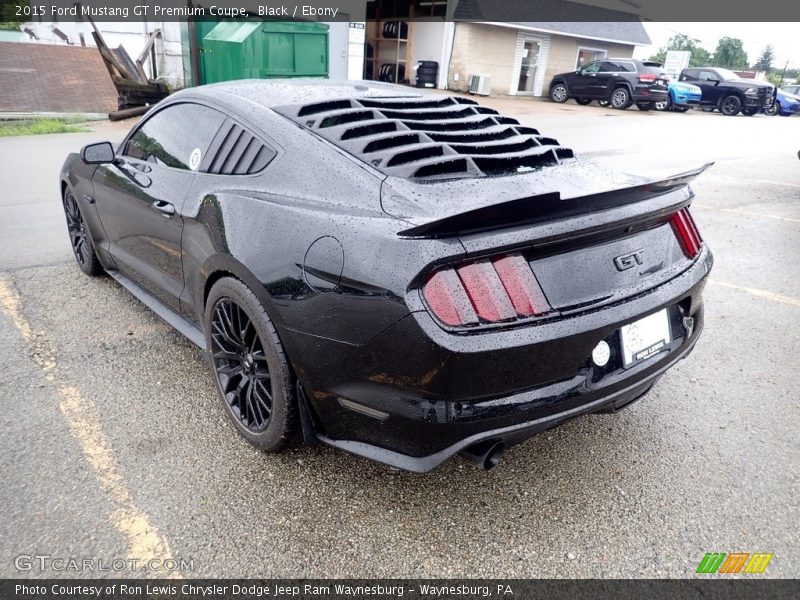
column 606, row 77
column 710, row 83
column 140, row 196
column 582, row 82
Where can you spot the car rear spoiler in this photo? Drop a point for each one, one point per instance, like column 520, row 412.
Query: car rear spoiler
column 545, row 207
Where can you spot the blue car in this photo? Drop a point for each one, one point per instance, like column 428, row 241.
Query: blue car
column 682, row 97
column 786, row 103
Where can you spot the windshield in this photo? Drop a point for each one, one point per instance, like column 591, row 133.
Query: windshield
column 727, row 75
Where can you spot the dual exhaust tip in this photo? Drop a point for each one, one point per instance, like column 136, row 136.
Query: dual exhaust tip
column 485, row 455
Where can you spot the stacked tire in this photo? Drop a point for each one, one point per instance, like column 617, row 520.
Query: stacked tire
column 395, row 29
column 391, row 73
column 427, row 73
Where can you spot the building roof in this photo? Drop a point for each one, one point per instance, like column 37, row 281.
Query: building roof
column 559, row 17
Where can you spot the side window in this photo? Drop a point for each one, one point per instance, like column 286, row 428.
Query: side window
column 689, row 75
column 707, row 75
column 177, row 136
column 626, row 67
column 592, row 67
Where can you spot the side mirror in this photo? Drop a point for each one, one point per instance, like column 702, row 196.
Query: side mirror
column 100, row 153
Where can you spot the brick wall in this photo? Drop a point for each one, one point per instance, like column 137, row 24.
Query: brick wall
column 54, row 78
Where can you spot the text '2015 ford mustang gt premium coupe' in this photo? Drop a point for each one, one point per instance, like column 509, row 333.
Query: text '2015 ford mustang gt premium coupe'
column 402, row 276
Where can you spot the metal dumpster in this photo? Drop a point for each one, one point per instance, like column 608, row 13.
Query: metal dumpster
column 262, row 50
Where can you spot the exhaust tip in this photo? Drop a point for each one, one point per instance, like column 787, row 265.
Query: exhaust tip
column 485, row 455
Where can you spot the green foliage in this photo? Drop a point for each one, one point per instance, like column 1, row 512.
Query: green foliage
column 9, row 21
column 699, row 58
column 765, row 59
column 730, row 54
column 38, row 127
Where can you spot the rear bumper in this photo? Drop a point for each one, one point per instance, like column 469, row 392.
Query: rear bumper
column 416, row 394
column 649, row 94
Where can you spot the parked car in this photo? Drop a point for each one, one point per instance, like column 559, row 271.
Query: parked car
column 618, row 82
column 682, row 96
column 786, row 103
column 401, row 276
column 726, row 91
column 791, row 89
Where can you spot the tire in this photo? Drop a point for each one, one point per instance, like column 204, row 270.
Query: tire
column 749, row 112
column 79, row 237
column 603, row 103
column 663, row 105
column 708, row 108
column 774, row 109
column 559, row 93
column 645, row 106
column 730, row 105
column 620, row 98
column 251, row 370
column 680, row 109
column 583, row 101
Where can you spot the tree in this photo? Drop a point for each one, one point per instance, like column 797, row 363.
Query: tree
column 9, row 21
column 765, row 59
column 730, row 54
column 699, row 58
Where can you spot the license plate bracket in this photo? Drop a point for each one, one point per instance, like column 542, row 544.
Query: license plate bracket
column 644, row 338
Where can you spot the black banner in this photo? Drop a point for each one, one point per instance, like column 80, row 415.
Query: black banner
column 361, row 10
column 711, row 588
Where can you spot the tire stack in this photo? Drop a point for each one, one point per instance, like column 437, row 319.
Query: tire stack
column 427, row 73
column 395, row 29
column 391, row 73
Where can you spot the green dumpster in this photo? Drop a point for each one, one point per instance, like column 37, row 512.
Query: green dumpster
column 263, row 50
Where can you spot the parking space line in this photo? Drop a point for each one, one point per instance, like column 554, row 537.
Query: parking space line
column 748, row 213
column 145, row 544
column 760, row 293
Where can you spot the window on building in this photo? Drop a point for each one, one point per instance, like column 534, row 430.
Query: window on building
column 587, row 55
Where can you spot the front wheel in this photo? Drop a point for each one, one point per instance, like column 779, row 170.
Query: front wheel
column 663, row 105
column 730, row 105
column 250, row 367
column 79, row 237
column 620, row 98
column 583, row 101
column 645, row 106
column 773, row 110
column 559, row 93
column 603, row 102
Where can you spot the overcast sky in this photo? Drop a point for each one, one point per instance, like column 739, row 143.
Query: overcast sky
column 784, row 37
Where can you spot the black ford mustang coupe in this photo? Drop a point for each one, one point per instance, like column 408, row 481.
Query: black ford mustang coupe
column 401, row 276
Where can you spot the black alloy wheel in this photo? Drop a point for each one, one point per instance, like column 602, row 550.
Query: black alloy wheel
column 250, row 368
column 241, row 365
column 79, row 238
column 730, row 105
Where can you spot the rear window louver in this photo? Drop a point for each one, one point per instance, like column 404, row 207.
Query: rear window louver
column 238, row 152
column 429, row 138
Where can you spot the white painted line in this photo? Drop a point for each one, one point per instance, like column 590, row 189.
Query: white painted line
column 760, row 293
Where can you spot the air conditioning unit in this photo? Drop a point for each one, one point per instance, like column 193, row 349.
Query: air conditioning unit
column 480, row 84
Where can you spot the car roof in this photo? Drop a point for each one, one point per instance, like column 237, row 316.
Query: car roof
column 270, row 93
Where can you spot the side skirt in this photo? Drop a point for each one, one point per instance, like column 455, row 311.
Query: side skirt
column 189, row 331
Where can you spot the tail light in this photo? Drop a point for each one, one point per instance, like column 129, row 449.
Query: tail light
column 647, row 78
column 687, row 233
column 485, row 291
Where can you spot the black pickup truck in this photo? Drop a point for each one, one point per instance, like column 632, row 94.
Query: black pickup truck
column 725, row 90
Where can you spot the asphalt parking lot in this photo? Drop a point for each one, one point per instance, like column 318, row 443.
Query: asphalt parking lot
column 114, row 446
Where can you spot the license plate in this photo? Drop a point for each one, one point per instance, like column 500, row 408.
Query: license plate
column 644, row 338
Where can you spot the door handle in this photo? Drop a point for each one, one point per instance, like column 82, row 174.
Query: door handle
column 165, row 208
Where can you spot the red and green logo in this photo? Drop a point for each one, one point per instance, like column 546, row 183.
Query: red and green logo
column 735, row 562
